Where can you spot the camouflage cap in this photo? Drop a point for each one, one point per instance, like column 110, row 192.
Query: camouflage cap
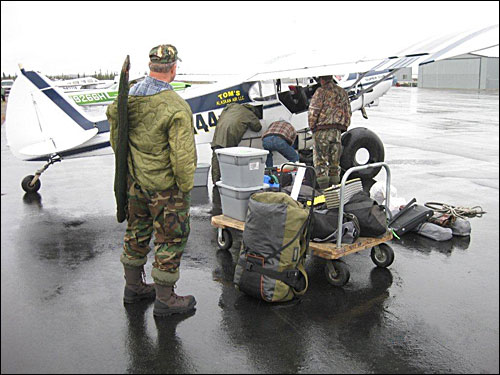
column 163, row 54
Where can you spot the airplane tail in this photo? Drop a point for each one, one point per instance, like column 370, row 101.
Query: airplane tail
column 41, row 120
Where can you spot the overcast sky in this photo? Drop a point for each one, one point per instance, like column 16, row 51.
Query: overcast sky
column 218, row 37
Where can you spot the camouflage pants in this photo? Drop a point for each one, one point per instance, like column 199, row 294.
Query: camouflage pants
column 166, row 213
column 326, row 152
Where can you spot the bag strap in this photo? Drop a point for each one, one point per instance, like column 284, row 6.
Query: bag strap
column 289, row 277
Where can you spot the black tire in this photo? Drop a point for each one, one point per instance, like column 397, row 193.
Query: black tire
column 337, row 272
column 226, row 240
column 25, row 184
column 357, row 139
column 384, row 256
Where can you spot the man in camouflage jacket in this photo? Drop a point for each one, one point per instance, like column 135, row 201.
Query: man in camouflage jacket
column 161, row 165
column 329, row 117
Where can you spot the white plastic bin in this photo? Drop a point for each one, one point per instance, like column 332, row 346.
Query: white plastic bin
column 242, row 166
column 201, row 174
column 234, row 200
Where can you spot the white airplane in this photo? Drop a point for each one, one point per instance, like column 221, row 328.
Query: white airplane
column 43, row 123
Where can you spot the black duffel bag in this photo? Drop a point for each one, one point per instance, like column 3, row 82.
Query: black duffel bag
column 371, row 216
column 325, row 224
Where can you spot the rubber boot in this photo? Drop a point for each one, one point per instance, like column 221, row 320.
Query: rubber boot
column 323, row 182
column 334, row 180
column 168, row 303
column 135, row 287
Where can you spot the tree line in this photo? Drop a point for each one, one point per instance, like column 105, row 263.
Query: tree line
column 99, row 75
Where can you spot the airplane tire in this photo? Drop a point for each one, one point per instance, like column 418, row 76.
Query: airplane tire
column 25, row 184
column 357, row 139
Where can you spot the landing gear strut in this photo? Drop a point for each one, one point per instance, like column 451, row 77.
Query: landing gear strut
column 31, row 184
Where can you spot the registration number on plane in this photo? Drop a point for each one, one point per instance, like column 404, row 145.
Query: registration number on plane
column 205, row 121
column 95, row 97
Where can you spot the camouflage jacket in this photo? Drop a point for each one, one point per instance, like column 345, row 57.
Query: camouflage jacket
column 233, row 122
column 330, row 108
column 162, row 150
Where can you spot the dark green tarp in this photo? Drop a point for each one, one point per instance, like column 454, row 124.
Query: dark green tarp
column 121, row 150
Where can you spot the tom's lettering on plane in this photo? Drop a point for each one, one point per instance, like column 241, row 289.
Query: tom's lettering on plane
column 230, row 96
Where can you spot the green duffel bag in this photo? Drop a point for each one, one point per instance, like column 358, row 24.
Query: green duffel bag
column 271, row 260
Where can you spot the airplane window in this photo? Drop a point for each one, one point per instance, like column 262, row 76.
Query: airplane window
column 262, row 91
column 298, row 96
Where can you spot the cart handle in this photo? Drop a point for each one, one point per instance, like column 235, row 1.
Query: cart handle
column 311, row 209
column 341, row 193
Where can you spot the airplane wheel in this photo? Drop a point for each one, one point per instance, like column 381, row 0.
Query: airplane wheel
column 25, row 184
column 361, row 146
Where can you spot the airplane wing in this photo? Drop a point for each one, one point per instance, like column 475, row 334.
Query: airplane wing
column 425, row 52
column 40, row 121
column 280, row 71
column 463, row 43
column 487, row 52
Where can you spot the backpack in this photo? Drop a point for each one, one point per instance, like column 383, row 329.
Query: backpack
column 271, row 260
column 371, row 216
column 325, row 225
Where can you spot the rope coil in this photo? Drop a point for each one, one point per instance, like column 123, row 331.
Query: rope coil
column 461, row 212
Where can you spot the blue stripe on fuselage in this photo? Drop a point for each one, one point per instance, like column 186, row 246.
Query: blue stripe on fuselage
column 68, row 109
column 61, row 102
column 36, row 79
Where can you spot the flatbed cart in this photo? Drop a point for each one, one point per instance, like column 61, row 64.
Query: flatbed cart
column 337, row 272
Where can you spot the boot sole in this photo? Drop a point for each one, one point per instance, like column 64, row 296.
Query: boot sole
column 139, row 298
column 170, row 311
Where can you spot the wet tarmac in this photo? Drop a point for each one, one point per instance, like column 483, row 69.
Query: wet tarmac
column 434, row 310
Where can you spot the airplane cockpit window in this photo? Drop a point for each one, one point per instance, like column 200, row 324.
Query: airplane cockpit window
column 296, row 95
column 352, row 76
column 263, row 91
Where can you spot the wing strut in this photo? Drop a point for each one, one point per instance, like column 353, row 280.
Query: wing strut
column 361, row 76
column 358, row 94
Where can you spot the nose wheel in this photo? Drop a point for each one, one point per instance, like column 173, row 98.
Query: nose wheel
column 27, row 185
column 31, row 183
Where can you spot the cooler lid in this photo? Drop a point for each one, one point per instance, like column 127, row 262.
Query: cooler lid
column 240, row 189
column 241, row 151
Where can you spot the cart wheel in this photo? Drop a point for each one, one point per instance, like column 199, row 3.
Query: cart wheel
column 224, row 239
column 337, row 272
column 382, row 255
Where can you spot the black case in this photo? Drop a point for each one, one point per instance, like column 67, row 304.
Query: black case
column 409, row 217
